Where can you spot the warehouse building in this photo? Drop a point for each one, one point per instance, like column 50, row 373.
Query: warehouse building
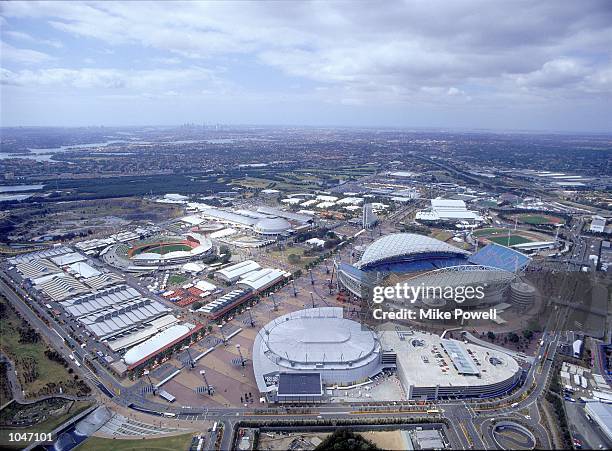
column 231, row 274
column 262, row 279
column 448, row 210
column 160, row 346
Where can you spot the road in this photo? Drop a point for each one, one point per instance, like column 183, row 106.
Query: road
column 469, row 421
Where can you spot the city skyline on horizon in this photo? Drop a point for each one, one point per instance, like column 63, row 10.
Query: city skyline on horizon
column 470, row 65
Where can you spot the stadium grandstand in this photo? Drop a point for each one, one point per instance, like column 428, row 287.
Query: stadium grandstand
column 160, row 251
column 419, row 260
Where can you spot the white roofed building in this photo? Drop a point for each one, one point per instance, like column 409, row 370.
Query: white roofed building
column 448, row 210
column 598, row 224
column 234, row 272
column 262, row 279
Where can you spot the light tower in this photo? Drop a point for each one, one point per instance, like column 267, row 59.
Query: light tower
column 153, row 387
column 248, row 309
column 207, row 386
column 220, row 326
column 557, row 226
column 242, row 361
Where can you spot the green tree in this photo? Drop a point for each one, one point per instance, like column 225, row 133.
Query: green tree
column 294, row 259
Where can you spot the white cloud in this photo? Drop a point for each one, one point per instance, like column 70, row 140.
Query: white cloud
column 476, row 53
column 20, row 35
column 114, row 79
column 24, row 56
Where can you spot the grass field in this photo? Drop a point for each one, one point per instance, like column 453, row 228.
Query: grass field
column 161, row 248
column 45, row 426
column 177, row 279
column 48, row 371
column 514, row 239
column 293, row 250
column 539, row 219
column 488, row 231
column 441, row 235
column 173, row 443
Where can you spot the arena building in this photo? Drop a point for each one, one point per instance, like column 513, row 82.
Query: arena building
column 265, row 221
column 420, row 260
column 317, row 340
column 320, row 346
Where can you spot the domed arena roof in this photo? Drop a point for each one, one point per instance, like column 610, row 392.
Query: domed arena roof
column 272, row 226
column 398, row 245
column 320, row 340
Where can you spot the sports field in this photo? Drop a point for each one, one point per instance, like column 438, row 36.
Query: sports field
column 160, row 248
column 539, row 219
column 514, row 239
column 489, row 231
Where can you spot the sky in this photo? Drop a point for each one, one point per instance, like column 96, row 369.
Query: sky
column 461, row 64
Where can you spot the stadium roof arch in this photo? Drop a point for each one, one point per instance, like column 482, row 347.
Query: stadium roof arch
column 400, row 248
column 462, row 275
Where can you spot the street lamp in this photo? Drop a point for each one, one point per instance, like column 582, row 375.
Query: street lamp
column 208, row 388
column 220, row 326
column 242, row 361
column 312, row 299
column 250, row 316
column 294, row 289
column 311, row 278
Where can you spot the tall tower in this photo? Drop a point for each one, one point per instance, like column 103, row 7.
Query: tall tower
column 368, row 218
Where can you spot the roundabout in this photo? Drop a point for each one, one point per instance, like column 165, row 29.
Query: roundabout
column 512, row 435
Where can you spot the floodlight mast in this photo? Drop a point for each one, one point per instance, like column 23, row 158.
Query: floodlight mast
column 220, row 326
column 208, row 387
column 242, row 360
column 248, row 309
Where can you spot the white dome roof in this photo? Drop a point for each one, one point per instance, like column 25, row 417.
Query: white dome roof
column 399, row 244
column 270, row 226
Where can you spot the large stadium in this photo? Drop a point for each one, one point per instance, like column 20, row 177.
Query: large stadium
column 158, row 252
column 300, row 354
column 415, row 260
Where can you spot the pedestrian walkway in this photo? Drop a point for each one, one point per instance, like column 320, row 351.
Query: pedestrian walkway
column 119, row 425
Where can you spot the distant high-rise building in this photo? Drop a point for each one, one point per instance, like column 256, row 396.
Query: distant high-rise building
column 368, row 218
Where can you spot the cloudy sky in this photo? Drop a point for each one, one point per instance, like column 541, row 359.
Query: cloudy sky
column 541, row 65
